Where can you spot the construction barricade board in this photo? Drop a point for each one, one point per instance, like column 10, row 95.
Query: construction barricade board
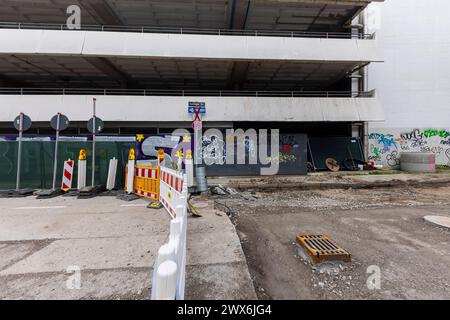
column 172, row 190
column 146, row 181
column 67, row 178
column 169, row 272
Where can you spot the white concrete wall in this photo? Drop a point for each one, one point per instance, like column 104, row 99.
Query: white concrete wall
column 125, row 44
column 413, row 83
column 134, row 108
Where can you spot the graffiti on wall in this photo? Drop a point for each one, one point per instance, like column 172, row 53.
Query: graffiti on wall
column 385, row 141
column 148, row 146
column 386, row 145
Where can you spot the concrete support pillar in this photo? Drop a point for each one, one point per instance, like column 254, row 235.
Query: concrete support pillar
column 365, row 129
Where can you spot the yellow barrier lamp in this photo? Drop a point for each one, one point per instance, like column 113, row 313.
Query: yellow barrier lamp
column 131, row 155
column 161, row 154
column 188, row 154
column 82, row 155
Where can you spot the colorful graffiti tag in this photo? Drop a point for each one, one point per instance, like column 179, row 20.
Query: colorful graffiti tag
column 387, row 144
column 375, row 153
column 386, row 141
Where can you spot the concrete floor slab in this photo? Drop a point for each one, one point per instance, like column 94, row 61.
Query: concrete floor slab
column 56, row 225
column 114, row 243
column 13, row 252
column 213, row 248
column 217, row 268
column 224, row 281
column 95, row 284
column 93, row 253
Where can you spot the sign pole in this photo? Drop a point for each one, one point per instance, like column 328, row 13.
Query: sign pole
column 93, row 143
column 197, row 146
column 197, row 126
column 55, row 162
column 197, row 109
column 19, row 155
column 58, row 122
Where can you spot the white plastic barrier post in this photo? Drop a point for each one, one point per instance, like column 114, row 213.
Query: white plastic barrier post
column 165, row 253
column 167, row 281
column 189, row 163
column 112, row 172
column 130, row 173
column 81, row 181
column 173, row 195
column 181, row 254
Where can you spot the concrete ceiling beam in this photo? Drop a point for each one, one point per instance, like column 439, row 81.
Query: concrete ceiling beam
column 109, row 69
column 101, row 11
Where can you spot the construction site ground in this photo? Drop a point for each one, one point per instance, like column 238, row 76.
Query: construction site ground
column 336, row 180
column 113, row 244
column 383, row 229
column 244, row 244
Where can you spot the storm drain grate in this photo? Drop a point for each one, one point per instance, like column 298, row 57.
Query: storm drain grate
column 321, row 248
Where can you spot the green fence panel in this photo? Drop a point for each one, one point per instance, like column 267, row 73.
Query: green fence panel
column 37, row 162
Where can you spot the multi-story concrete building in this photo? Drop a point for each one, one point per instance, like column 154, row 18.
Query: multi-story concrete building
column 413, row 83
column 296, row 65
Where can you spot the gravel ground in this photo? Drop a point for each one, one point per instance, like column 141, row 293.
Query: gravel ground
column 340, row 199
column 382, row 228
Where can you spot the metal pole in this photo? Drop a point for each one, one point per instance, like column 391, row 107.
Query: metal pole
column 19, row 155
column 93, row 145
column 55, row 161
column 197, row 145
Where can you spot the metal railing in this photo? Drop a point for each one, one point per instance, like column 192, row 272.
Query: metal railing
column 192, row 31
column 184, row 93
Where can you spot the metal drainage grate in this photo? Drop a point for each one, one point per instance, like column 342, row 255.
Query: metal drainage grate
column 321, row 248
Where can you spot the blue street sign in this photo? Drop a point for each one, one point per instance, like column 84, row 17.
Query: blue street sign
column 197, row 104
column 197, row 107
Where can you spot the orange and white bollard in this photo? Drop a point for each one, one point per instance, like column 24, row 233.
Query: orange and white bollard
column 189, row 165
column 130, row 173
column 81, row 181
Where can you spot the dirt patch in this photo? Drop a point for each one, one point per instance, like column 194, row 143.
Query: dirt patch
column 382, row 229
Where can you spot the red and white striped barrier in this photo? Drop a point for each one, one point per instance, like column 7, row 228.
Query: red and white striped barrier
column 67, row 175
column 170, row 265
column 171, row 190
column 146, row 181
column 146, row 173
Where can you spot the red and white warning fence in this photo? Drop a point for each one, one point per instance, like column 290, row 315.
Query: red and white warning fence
column 67, row 175
column 170, row 265
column 146, row 182
column 171, row 191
